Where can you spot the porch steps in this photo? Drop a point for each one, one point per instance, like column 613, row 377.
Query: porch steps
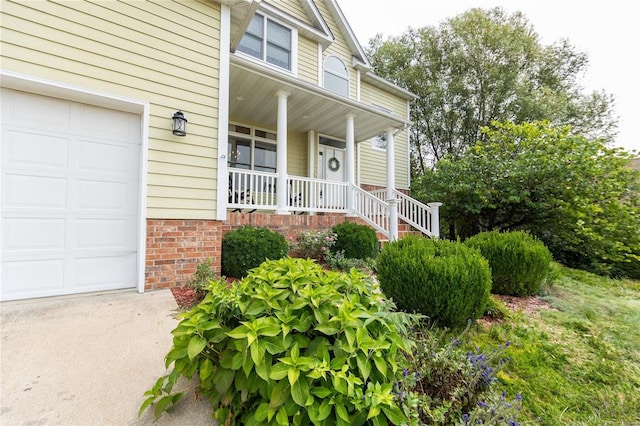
column 404, row 229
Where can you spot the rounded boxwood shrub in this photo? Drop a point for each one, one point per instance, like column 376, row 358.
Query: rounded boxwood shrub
column 291, row 344
column 446, row 281
column 247, row 247
column 355, row 240
column 519, row 262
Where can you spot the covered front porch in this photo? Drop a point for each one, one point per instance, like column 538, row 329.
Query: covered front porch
column 298, row 179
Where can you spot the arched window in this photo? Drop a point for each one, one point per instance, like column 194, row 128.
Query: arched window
column 336, row 76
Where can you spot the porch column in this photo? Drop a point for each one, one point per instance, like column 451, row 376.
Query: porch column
column 281, row 153
column 350, row 162
column 391, row 180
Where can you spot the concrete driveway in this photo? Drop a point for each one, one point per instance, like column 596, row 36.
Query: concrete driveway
column 87, row 360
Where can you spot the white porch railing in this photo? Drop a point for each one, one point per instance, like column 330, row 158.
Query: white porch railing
column 252, row 190
column 421, row 216
column 372, row 210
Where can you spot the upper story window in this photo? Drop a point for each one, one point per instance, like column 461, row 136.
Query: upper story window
column 379, row 142
column 268, row 41
column 336, row 76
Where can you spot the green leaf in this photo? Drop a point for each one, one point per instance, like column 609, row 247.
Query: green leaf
column 261, row 412
column 278, row 371
column 257, row 351
column 206, row 368
column 162, row 405
column 196, row 345
column 293, row 374
column 239, row 332
column 363, row 365
column 374, row 411
column 395, row 415
column 321, row 391
column 281, row 391
column 342, row 413
column 380, row 364
column 147, row 402
column 223, row 379
column 328, row 329
column 300, row 392
column 282, row 417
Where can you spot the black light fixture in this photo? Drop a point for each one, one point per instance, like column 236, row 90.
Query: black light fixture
column 179, row 124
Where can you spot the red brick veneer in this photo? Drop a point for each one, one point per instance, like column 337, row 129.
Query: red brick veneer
column 174, row 247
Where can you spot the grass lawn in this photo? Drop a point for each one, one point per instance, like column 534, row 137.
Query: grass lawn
column 577, row 361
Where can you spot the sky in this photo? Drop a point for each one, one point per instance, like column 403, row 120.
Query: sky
column 606, row 30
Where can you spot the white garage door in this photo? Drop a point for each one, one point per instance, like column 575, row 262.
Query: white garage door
column 69, row 194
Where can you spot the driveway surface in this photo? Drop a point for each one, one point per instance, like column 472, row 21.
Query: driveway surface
column 87, row 360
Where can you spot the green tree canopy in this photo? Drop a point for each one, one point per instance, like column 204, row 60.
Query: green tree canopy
column 481, row 66
column 576, row 194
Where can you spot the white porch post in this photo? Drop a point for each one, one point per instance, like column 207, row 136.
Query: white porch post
column 281, row 153
column 350, row 163
column 435, row 219
column 391, row 182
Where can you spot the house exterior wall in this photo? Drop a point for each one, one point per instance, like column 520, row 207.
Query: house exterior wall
column 373, row 166
column 164, row 53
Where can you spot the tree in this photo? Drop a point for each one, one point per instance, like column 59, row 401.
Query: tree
column 577, row 195
column 481, row 66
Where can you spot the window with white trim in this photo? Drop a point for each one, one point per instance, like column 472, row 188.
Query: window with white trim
column 379, row 142
column 268, row 41
column 336, row 76
column 251, row 149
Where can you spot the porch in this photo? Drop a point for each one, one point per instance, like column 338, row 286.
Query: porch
column 382, row 209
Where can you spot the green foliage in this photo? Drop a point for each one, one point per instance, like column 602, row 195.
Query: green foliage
column 576, row 195
column 339, row 262
column 447, row 384
column 356, row 241
column 519, row 263
column 247, row 247
column 446, row 281
column 577, row 361
column 202, row 277
column 291, row 344
column 482, row 66
column 313, row 244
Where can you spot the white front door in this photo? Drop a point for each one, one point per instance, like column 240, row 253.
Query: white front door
column 70, row 196
column 331, row 167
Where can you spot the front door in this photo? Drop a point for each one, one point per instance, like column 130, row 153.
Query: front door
column 331, row 167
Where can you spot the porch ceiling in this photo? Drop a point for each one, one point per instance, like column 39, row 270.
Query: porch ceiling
column 252, row 99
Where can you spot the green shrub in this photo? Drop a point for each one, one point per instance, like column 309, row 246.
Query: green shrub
column 339, row 262
column 446, row 281
column 519, row 262
column 291, row 344
column 202, row 277
column 247, row 247
column 356, row 241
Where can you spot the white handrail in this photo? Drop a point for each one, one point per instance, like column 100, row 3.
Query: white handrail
column 372, row 210
column 423, row 217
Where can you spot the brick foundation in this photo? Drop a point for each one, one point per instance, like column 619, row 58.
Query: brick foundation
column 174, row 247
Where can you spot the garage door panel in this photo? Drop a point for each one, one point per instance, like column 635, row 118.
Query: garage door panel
column 37, row 111
column 104, row 157
column 38, row 150
column 105, row 272
column 101, row 195
column 19, row 234
column 105, row 123
column 104, row 234
column 21, row 279
column 23, row 191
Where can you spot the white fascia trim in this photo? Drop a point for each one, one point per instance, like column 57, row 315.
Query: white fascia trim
column 37, row 85
column 388, row 85
column 223, row 114
column 352, row 41
column 291, row 21
column 315, row 15
column 320, row 67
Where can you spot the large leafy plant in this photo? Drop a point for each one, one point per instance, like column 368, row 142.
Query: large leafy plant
column 291, row 344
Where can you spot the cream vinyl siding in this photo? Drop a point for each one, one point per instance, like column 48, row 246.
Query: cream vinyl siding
column 293, row 8
column 162, row 52
column 307, row 60
column 339, row 47
column 373, row 163
column 371, row 95
column 297, row 154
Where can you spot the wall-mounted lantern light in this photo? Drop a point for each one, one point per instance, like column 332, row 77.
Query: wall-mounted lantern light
column 179, row 124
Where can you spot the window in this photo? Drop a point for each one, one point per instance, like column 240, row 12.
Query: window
column 268, row 41
column 379, row 142
column 251, row 149
column 336, row 76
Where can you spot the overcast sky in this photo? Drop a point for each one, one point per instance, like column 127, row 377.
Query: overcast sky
column 607, row 30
